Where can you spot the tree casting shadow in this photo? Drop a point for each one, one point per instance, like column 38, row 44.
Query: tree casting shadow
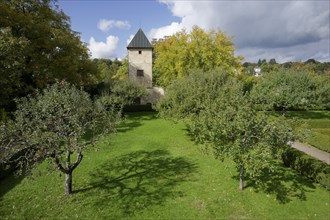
column 284, row 183
column 131, row 183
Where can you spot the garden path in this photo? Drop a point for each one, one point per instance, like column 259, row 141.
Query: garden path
column 312, row 151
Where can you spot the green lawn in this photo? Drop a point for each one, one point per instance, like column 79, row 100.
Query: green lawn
column 150, row 169
column 319, row 123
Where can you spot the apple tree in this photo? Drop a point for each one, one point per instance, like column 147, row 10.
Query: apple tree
column 58, row 123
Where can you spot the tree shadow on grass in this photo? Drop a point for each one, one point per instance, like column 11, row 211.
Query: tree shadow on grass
column 284, row 183
column 126, row 126
column 133, row 182
column 134, row 120
column 308, row 114
column 141, row 115
column 9, row 183
column 311, row 115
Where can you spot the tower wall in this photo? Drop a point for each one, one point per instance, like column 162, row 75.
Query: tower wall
column 140, row 59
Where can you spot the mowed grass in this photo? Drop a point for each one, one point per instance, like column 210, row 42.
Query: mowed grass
column 319, row 124
column 151, row 169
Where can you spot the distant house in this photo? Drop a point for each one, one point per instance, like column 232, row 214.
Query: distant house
column 257, row 71
column 140, row 66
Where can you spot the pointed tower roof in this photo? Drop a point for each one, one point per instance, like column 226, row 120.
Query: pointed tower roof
column 139, row 41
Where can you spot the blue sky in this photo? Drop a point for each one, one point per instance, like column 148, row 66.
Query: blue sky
column 284, row 30
column 86, row 15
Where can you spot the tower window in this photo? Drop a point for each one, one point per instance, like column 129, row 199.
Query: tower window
column 140, row 73
column 140, row 52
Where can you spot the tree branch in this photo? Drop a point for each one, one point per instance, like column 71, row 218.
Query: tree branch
column 79, row 158
column 59, row 165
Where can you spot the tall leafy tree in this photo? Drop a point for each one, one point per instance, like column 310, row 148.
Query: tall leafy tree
column 218, row 111
column 122, row 71
column 199, row 49
column 57, row 123
column 104, row 69
column 111, row 70
column 12, row 57
column 272, row 61
column 54, row 51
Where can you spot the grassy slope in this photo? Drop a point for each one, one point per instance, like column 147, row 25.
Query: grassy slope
column 151, row 170
column 319, row 123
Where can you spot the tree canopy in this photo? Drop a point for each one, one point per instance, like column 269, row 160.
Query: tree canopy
column 199, row 49
column 292, row 89
column 219, row 112
column 12, row 58
column 57, row 123
column 36, row 38
column 111, row 70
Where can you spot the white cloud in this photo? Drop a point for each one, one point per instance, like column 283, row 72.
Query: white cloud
column 103, row 49
column 105, row 25
column 313, row 50
column 165, row 31
column 274, row 27
column 129, row 39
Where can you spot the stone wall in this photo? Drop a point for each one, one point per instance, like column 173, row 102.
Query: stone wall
column 140, row 61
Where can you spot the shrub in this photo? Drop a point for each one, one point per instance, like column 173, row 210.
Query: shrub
column 309, row 167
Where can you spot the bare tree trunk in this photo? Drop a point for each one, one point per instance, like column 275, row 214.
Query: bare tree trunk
column 69, row 168
column 68, row 183
column 68, row 174
column 241, row 178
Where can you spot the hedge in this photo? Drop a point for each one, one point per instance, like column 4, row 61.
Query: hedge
column 306, row 165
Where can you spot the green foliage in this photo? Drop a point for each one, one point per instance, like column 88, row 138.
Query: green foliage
column 237, row 131
column 248, row 68
column 248, row 80
column 272, row 61
column 109, row 70
column 269, row 67
column 260, row 62
column 287, row 89
column 60, row 120
column 114, row 83
column 322, row 68
column 199, row 49
column 310, row 66
column 123, row 92
column 105, row 68
column 149, row 174
column 122, row 72
column 37, row 41
column 220, row 113
column 12, row 57
column 189, row 96
column 322, row 93
column 314, row 169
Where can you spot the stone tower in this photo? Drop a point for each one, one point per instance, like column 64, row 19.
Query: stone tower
column 140, row 59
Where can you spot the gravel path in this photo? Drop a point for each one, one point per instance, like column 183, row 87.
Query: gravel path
column 312, row 151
